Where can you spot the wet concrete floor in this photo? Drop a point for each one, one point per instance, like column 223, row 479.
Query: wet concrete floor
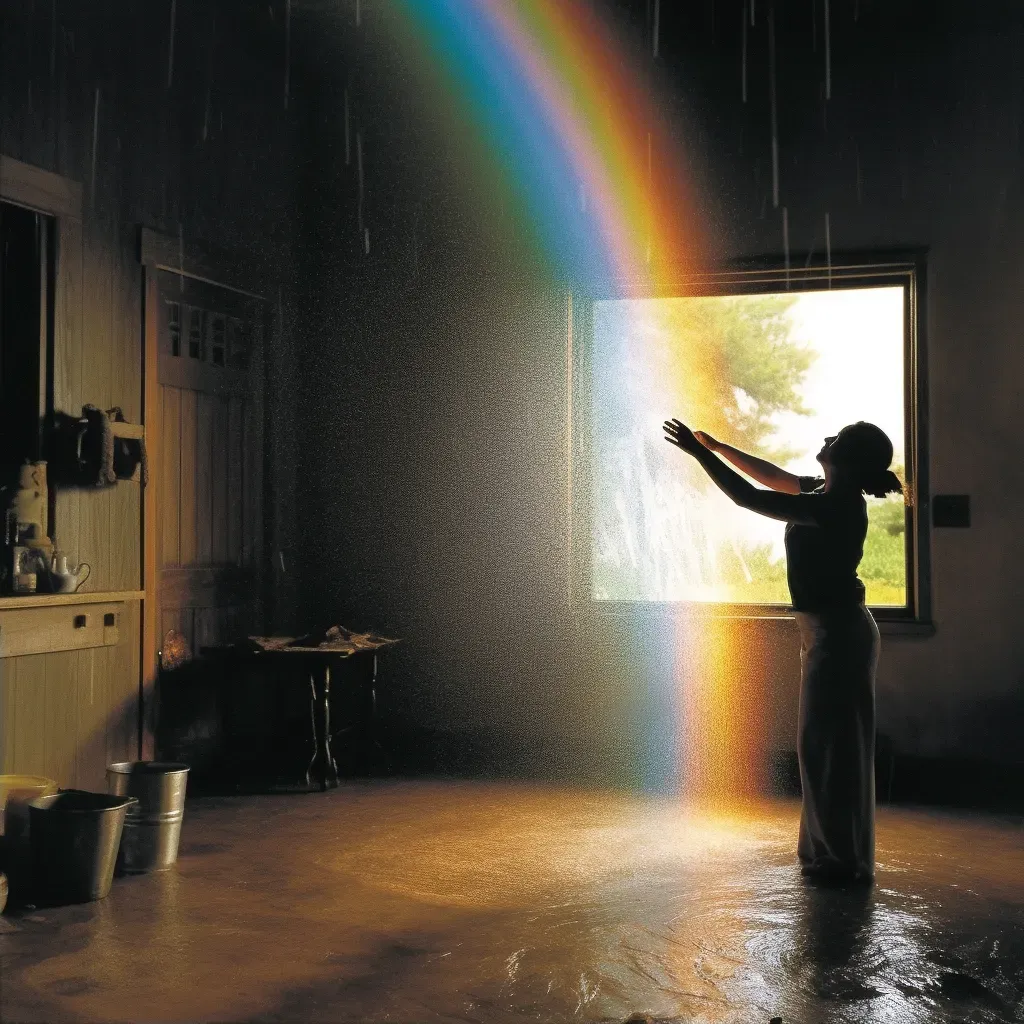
column 470, row 901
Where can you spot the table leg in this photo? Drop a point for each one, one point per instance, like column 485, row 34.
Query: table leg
column 374, row 738
column 323, row 761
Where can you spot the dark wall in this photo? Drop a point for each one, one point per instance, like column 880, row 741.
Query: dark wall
column 434, row 481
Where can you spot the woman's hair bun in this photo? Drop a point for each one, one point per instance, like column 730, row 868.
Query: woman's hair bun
column 885, row 483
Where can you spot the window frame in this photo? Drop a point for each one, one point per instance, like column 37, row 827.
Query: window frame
column 760, row 275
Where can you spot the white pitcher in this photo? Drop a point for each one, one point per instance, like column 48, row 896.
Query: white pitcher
column 64, row 579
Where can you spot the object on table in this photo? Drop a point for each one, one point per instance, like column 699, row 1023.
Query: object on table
column 75, row 837
column 319, row 648
column 152, row 827
column 335, row 640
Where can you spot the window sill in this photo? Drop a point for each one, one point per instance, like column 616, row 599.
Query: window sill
column 751, row 613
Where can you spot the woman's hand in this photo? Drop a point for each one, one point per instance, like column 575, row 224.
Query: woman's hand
column 707, row 440
column 680, row 435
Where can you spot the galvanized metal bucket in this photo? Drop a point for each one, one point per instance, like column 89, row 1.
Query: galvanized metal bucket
column 152, row 828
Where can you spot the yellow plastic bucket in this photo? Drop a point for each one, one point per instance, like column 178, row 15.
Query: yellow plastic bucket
column 16, row 791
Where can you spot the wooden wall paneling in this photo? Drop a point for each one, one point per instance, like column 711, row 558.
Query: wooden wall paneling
column 30, row 751
column 132, row 679
column 170, row 482
column 151, row 417
column 94, row 707
column 236, row 454
column 233, row 624
column 188, row 626
column 220, row 458
column 207, row 631
column 67, row 366
column 95, row 507
column 123, row 691
column 8, row 713
column 257, row 456
column 188, row 540
column 125, row 388
column 60, row 740
column 113, row 708
column 205, row 446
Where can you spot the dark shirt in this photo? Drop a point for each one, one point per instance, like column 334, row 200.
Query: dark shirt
column 822, row 559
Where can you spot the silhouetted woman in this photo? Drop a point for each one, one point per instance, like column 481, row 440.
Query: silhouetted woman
column 827, row 521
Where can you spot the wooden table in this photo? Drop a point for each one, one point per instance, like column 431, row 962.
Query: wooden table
column 317, row 660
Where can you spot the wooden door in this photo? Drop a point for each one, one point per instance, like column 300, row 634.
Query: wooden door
column 208, row 471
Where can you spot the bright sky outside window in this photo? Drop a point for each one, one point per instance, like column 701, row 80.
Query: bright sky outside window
column 771, row 374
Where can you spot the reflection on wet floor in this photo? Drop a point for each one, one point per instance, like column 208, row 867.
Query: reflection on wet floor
column 443, row 901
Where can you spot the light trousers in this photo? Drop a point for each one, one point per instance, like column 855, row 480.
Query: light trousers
column 836, row 739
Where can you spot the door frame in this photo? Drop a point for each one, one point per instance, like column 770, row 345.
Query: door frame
column 160, row 252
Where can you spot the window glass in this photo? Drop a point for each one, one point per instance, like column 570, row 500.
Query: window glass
column 771, row 374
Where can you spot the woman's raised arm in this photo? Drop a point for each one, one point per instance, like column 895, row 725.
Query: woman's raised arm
column 763, row 472
column 805, row 509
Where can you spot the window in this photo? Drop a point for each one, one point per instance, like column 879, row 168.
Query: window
column 25, row 288
column 174, row 326
column 217, row 328
column 195, row 333
column 771, row 362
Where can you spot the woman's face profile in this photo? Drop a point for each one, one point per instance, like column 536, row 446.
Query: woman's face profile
column 822, row 456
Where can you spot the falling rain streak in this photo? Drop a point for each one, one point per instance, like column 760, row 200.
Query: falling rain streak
column 656, row 30
column 359, row 172
column 785, row 241
column 170, row 45
column 415, row 249
column 181, row 256
column 209, row 75
column 53, row 40
column 828, row 248
column 95, row 141
column 828, row 55
column 287, row 49
column 348, row 136
column 743, row 58
column 774, row 112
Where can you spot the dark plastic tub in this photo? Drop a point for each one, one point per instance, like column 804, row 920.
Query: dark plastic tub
column 75, row 836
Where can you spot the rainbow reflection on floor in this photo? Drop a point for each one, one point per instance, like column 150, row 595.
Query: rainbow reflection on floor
column 442, row 901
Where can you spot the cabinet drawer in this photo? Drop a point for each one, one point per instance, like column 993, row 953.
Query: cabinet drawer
column 63, row 628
